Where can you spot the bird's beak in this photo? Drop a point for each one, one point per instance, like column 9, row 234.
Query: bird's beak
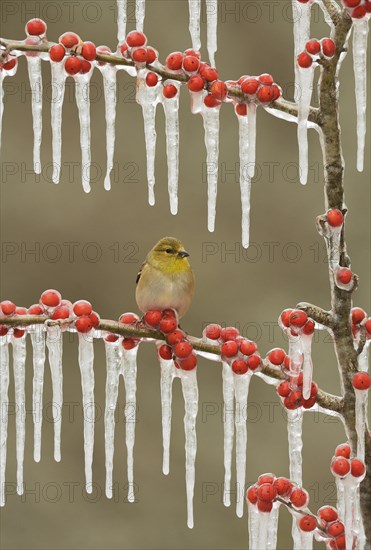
column 183, row 254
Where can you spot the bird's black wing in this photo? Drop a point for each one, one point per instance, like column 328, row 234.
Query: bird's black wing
column 140, row 273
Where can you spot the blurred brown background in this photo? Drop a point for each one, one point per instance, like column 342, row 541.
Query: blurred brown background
column 285, row 264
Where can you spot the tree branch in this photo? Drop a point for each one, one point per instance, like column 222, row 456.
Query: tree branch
column 333, row 9
column 317, row 314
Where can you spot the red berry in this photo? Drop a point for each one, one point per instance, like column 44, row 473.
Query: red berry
column 89, row 51
column 307, row 523
column 153, row 317
column 367, row 5
column 103, row 50
column 174, row 61
column 266, row 478
column 213, row 331
column 151, row 79
column 340, row 466
column 351, row 3
column 175, row 337
column 208, row 73
column 69, row 39
column 183, row 350
column 51, row 298
column 277, row 92
column 85, row 66
column 357, row 467
column 239, row 366
column 72, row 65
column 328, row 47
column 165, row 352
column 36, row 309
column 111, row 337
column 266, row 94
column 283, row 486
column 343, row 450
column 229, row 348
column 83, row 324
column 195, row 83
column 359, row 12
column 124, row 48
column 95, row 319
column 139, row 55
column 304, row 60
column 267, row 492
column 368, row 325
column 340, row 542
column 9, row 65
column 264, row 506
column 169, row 91
column 298, row 318
column 361, row 381
column 18, row 333
column 294, row 400
column 7, row 307
column 210, row 101
column 313, row 389
column 344, row 276
column 299, row 497
column 188, row 364
column 285, row 317
column 151, row 55
column 357, row 315
column 82, row 307
column 284, row 389
column 229, row 333
column 334, row 217
column 168, row 313
column 168, row 324
column 128, row 318
column 249, row 86
column 193, row 53
column 36, row 27
column 276, row 356
column 218, row 89
column 266, row 79
column 252, row 494
column 254, row 362
column 57, row 52
column 135, row 39
column 241, row 109
column 309, row 403
column 129, row 343
column 247, row 347
column 327, row 513
column 309, row 327
column 313, row 47
column 20, row 310
column 335, row 528
column 3, row 330
column 191, row 63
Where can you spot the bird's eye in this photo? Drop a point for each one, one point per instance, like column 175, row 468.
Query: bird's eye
column 168, row 251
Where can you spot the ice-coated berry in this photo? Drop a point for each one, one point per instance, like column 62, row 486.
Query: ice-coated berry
column 165, row 352
column 304, row 60
column 169, row 91
column 276, row 356
column 183, row 350
column 252, row 494
column 343, row 450
column 357, row 467
column 72, row 65
column 175, row 337
column 361, row 381
column 283, row 486
column 299, row 497
column 334, row 217
column 239, row 366
column 213, row 331
column 89, row 51
column 69, row 39
column 168, row 324
column 83, row 324
column 153, row 317
column 51, row 298
column 151, row 79
column 229, row 348
column 307, row 523
column 247, row 347
column 195, row 83
column 136, row 39
column 327, row 514
column 82, row 307
column 174, row 61
column 7, row 307
column 57, row 52
column 229, row 333
column 313, row 47
column 267, row 492
column 36, row 27
column 340, row 466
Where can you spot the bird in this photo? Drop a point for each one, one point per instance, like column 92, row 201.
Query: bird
column 165, row 279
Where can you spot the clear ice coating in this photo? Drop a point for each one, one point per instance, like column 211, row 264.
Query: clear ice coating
column 109, row 86
column 228, row 423
column 211, row 128
column 360, row 35
column 306, row 344
column 304, row 98
column 346, row 505
column 38, row 349
column 1, row 104
column 54, row 343
column 251, row 118
column 361, row 421
column 19, row 369
column 245, row 180
column 140, row 8
column 4, row 406
column 294, row 432
column 301, row 13
column 129, row 372
column 113, row 362
column 212, row 23
column 149, row 97
column 171, row 109
column 263, row 527
column 34, row 74
column 167, row 376
column 58, row 75
column 121, row 20
column 86, row 362
column 194, row 23
column 241, row 383
column 82, row 93
column 190, row 395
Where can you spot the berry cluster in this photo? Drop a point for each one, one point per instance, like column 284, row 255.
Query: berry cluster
column 342, row 464
column 8, row 65
column 296, row 322
column 78, row 54
column 292, row 394
column 358, row 9
column 242, row 354
column 331, row 526
column 314, row 50
column 359, row 319
column 269, row 488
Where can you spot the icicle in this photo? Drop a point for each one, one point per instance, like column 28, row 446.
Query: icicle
column 228, row 418
column 363, row 357
column 58, row 88
column 251, row 119
column 245, row 181
column 194, row 23
column 212, row 23
column 294, row 432
column 121, row 20
column 263, row 527
column 82, row 94
column 54, row 343
column 140, row 8
column 129, row 372
column 190, row 395
column 167, row 377
column 296, row 357
column 113, row 361
column 360, row 35
column 304, row 93
column 109, row 86
column 148, row 97
column 359, row 529
column 211, row 127
column 361, row 420
column 38, row 347
column 346, row 495
column 1, row 104
column 86, row 361
column 241, row 384
column 171, row 108
column 306, row 343
column 301, row 16
column 306, row 540
column 253, row 523
column 34, row 74
column 4, row 406
column 340, row 505
column 19, row 364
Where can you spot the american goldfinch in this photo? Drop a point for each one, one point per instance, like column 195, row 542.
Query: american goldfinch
column 165, row 279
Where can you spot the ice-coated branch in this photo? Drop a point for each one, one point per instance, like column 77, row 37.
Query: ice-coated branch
column 316, row 313
column 333, row 9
